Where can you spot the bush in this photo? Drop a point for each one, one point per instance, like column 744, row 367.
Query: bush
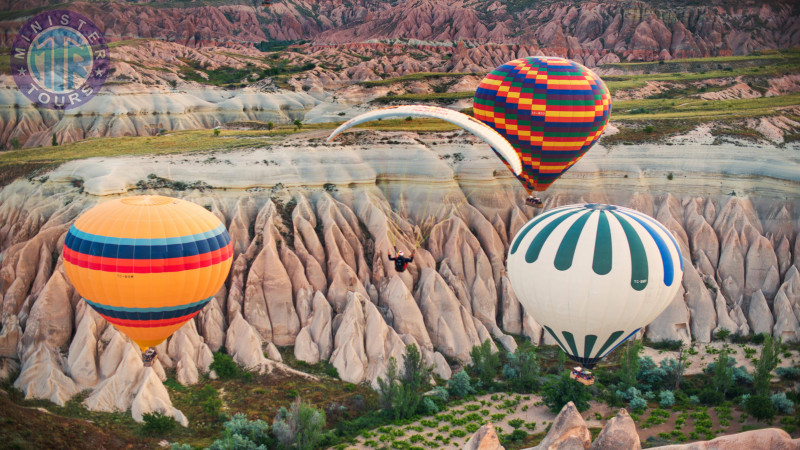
column 485, row 362
column 216, row 131
column 224, row 366
column 782, row 404
column 788, row 373
column 244, row 434
column 429, row 406
column 210, row 401
column 157, row 423
column 556, row 393
column 459, row 385
column 638, row 404
column 522, row 369
column 15, row 143
column 402, row 395
column 722, row 334
column 666, row 399
column 759, row 406
column 298, row 427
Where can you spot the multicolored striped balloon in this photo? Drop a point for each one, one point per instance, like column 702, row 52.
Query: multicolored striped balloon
column 147, row 264
column 550, row 109
column 593, row 275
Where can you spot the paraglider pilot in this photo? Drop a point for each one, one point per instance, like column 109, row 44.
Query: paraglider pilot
column 400, row 261
column 149, row 356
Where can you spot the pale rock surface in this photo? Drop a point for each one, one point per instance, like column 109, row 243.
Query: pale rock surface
column 9, row 336
column 273, row 353
column 786, row 325
column 43, row 376
column 618, row 433
column 82, row 356
column 189, row 354
column 701, row 306
column 761, row 269
column 152, row 396
column 450, row 326
column 730, row 271
column 724, row 320
column 315, row 341
column 758, row 315
column 764, row 439
column 484, row 439
column 407, row 318
column 441, row 367
column 791, row 288
column 673, row 323
column 531, row 329
column 568, row 432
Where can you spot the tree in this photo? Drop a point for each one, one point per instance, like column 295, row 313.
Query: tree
column 485, row 362
column 299, row 427
column 556, row 393
column 630, row 362
column 54, row 142
column 722, row 373
column 270, row 126
column 297, row 124
column 766, row 364
column 401, row 394
column 522, row 369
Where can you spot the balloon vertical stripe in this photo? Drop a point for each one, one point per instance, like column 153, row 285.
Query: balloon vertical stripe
column 566, row 251
column 611, row 339
column 530, row 225
column 536, row 245
column 588, row 344
column 639, row 268
column 666, row 260
column 603, row 252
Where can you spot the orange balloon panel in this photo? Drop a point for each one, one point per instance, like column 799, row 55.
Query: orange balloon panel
column 147, row 264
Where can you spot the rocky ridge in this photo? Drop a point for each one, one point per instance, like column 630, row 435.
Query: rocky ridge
column 310, row 267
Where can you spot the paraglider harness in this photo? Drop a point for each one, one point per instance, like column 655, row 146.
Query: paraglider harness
column 536, row 202
column 149, row 356
column 582, row 376
column 400, row 261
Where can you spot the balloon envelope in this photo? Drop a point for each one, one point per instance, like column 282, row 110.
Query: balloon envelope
column 490, row 136
column 593, row 275
column 550, row 109
column 147, row 264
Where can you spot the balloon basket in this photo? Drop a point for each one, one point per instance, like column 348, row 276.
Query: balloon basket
column 535, row 202
column 583, row 377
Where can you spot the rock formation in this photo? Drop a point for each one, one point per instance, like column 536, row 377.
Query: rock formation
column 310, row 267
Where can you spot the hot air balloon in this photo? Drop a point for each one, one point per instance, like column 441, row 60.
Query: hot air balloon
column 550, row 109
column 593, row 275
column 147, row 264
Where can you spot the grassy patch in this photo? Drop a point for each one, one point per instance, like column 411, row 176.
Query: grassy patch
column 443, row 97
column 415, row 76
column 648, row 131
column 695, row 108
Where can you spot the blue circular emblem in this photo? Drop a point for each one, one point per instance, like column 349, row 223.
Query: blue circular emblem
column 60, row 59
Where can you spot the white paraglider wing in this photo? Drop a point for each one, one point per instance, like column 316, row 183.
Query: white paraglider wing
column 593, row 275
column 476, row 127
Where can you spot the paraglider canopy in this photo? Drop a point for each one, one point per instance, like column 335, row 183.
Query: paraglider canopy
column 498, row 143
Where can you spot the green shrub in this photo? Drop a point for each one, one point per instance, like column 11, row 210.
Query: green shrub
column 485, row 362
column 522, row 369
column 788, row 373
column 209, row 401
column 459, row 385
column 299, row 427
column 224, row 366
column 157, row 423
column 759, row 406
column 471, row 427
column 556, row 393
column 459, row 433
column 244, row 434
column 666, row 399
column 516, row 423
column 722, row 334
column 216, row 131
column 782, row 404
column 638, row 404
column 429, row 406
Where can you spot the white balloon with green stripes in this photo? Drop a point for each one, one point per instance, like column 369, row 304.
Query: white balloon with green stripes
column 593, row 275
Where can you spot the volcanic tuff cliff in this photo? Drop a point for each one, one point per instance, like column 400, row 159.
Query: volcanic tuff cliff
column 630, row 29
column 310, row 266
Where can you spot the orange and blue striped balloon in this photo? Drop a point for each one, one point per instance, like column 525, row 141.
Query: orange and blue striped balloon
column 147, row 264
column 550, row 109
